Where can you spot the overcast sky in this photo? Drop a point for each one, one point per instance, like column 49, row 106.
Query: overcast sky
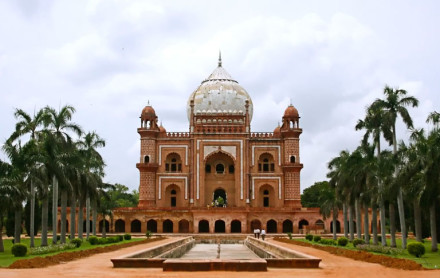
column 108, row 58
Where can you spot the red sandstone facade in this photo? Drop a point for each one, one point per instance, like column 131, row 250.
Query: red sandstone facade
column 183, row 174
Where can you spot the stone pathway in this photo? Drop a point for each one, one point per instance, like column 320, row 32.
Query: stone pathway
column 101, row 266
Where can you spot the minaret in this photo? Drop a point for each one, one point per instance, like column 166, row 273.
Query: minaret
column 148, row 165
column 292, row 166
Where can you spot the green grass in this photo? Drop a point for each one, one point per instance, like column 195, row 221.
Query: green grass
column 6, row 258
column 428, row 260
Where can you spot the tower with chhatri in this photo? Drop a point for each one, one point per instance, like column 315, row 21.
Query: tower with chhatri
column 219, row 177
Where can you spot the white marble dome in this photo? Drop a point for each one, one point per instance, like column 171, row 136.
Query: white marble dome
column 219, row 92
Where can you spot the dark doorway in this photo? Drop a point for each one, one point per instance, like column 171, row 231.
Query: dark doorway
column 183, row 226
column 90, row 228
column 167, row 226
column 338, row 227
column 152, row 226
column 135, row 226
column 107, row 225
column 119, row 226
column 203, row 226
column 266, row 198
column 272, row 226
column 303, row 224
column 287, row 226
column 235, row 226
column 173, row 198
column 220, row 193
column 255, row 224
column 220, row 226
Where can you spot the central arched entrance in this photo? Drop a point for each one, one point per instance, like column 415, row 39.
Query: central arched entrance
column 220, row 174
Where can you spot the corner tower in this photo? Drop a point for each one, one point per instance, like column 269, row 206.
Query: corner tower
column 148, row 165
column 290, row 132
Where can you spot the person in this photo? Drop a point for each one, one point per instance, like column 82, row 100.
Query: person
column 258, row 233
column 255, row 233
column 263, row 234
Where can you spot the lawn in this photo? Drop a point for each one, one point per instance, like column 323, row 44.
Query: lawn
column 428, row 260
column 6, row 258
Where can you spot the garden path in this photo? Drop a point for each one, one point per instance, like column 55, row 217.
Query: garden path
column 100, row 266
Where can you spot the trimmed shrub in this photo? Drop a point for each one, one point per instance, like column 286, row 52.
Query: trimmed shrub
column 102, row 240
column 357, row 241
column 113, row 239
column 327, row 241
column 380, row 249
column 93, row 240
column 51, row 248
column 289, row 235
column 416, row 249
column 309, row 237
column 76, row 241
column 148, row 234
column 316, row 238
column 342, row 241
column 120, row 237
column 19, row 250
column 127, row 236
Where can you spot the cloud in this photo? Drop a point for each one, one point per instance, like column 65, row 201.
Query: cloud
column 108, row 58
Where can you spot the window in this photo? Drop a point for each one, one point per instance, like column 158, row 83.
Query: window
column 266, row 163
column 173, row 163
column 266, row 198
column 146, row 159
column 292, row 159
column 208, row 168
column 231, row 169
column 219, row 168
column 173, row 198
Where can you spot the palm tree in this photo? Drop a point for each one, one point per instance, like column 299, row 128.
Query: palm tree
column 105, row 204
column 93, row 168
column 329, row 205
column 375, row 125
column 19, row 157
column 28, row 125
column 411, row 174
column 424, row 169
column 59, row 125
column 394, row 105
column 434, row 118
column 340, row 180
column 8, row 192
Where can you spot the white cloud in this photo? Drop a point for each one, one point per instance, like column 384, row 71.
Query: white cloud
column 108, row 58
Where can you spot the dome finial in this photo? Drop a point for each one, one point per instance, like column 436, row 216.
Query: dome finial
column 219, row 58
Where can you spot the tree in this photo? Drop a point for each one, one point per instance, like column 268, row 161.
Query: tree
column 93, row 170
column 375, row 125
column 59, row 127
column 329, row 204
column 310, row 196
column 28, row 125
column 8, row 192
column 394, row 105
column 341, row 180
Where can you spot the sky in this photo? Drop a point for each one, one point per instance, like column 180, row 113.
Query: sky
column 108, row 58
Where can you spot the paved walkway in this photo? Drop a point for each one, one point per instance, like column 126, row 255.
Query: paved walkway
column 101, row 266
